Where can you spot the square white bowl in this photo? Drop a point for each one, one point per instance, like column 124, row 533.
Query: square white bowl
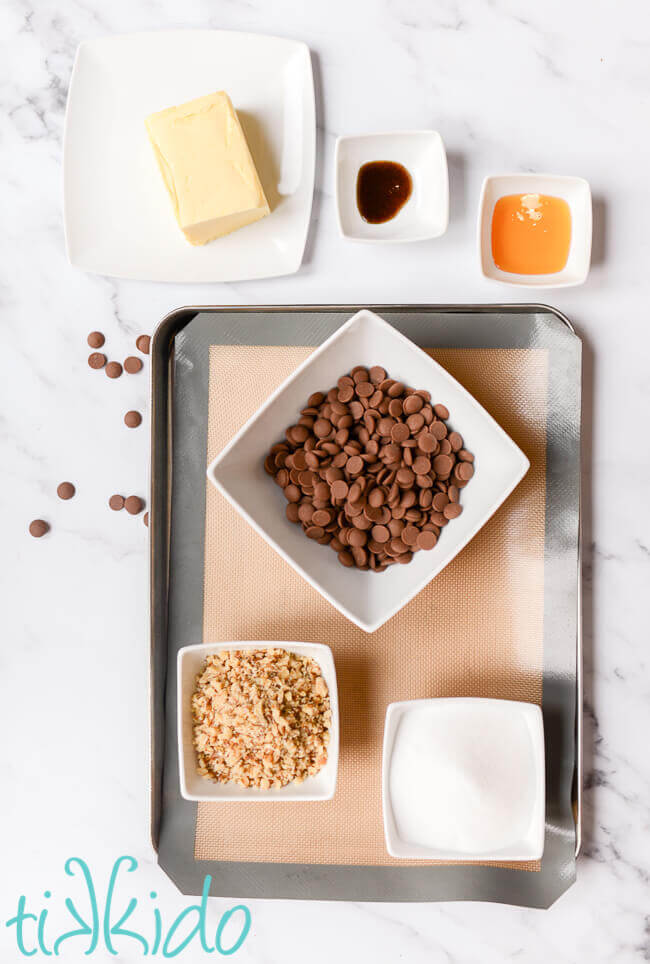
column 526, row 723
column 118, row 218
column 425, row 214
column 191, row 662
column 366, row 598
column 575, row 191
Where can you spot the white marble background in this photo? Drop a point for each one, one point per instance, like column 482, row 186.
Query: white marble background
column 561, row 86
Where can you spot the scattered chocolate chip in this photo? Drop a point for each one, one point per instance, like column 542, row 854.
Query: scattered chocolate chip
column 132, row 419
column 132, row 364
column 133, row 504
column 143, row 343
column 96, row 339
column 38, row 528
column 116, row 502
column 145, row 518
column 96, row 359
column 113, row 369
column 65, row 490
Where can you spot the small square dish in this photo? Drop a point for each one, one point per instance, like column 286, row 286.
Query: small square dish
column 368, row 599
column 463, row 779
column 426, row 212
column 118, row 218
column 574, row 191
column 190, row 664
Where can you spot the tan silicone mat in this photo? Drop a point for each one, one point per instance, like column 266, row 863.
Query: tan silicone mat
column 476, row 630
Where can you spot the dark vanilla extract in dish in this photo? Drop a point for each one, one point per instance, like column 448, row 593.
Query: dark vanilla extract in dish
column 383, row 188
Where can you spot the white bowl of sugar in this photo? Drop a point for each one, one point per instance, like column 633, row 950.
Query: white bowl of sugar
column 463, row 780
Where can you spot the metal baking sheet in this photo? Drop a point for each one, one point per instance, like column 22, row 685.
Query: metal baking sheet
column 180, row 361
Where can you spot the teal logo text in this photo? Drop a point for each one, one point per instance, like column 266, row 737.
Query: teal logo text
column 103, row 924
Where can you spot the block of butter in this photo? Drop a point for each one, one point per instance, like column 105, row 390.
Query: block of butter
column 207, row 167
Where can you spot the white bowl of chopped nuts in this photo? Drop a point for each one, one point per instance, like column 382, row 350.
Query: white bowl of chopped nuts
column 257, row 721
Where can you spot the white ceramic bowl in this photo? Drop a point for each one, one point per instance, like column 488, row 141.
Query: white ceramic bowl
column 425, row 214
column 485, row 718
column 575, row 191
column 366, row 598
column 191, row 661
column 118, row 219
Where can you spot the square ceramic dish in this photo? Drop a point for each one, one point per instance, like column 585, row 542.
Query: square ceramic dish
column 575, row 191
column 425, row 214
column 477, row 724
column 366, row 598
column 118, row 217
column 191, row 661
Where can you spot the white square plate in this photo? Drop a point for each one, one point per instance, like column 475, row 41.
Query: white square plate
column 575, row 191
column 191, row 662
column 486, row 720
column 367, row 598
column 425, row 214
column 118, row 217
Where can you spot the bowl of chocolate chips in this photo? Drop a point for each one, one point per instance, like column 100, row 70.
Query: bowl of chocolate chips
column 369, row 469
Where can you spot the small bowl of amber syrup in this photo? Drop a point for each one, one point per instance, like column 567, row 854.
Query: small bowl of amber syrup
column 392, row 187
column 534, row 230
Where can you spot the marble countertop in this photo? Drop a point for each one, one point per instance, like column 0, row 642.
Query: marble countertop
column 561, row 87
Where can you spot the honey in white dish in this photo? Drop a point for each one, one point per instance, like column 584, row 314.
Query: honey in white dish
column 531, row 233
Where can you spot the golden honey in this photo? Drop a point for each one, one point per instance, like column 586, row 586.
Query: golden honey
column 531, row 233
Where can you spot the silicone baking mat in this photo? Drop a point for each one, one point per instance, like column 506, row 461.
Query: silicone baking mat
column 481, row 628
column 476, row 630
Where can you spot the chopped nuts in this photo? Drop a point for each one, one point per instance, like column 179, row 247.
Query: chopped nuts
column 261, row 718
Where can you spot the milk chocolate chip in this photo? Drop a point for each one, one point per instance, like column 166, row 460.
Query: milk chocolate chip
column 113, row 369
column 132, row 364
column 371, row 469
column 38, row 528
column 132, row 419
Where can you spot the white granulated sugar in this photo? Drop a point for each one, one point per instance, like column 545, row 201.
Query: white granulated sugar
column 463, row 778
